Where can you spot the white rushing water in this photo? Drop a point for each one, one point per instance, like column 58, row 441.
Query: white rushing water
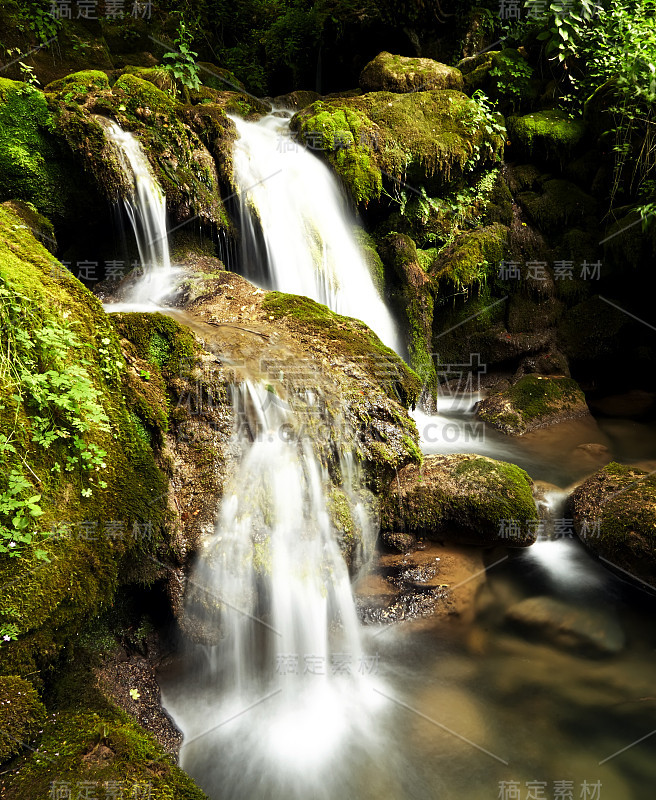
column 146, row 209
column 271, row 709
column 291, row 201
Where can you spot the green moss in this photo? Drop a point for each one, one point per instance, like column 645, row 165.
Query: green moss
column 551, row 134
column 460, row 498
column 395, row 73
column 533, row 401
column 374, row 261
column 78, row 84
column 158, row 339
column 472, row 259
column 86, row 738
column 536, row 398
column 21, row 715
column 34, row 164
column 615, row 516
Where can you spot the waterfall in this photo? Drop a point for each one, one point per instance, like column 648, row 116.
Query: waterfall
column 298, row 238
column 280, row 689
column 146, row 209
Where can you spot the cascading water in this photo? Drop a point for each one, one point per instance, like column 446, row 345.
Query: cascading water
column 284, row 677
column 146, row 209
column 291, row 202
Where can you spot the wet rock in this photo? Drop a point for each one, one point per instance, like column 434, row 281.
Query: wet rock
column 465, row 499
column 401, row 542
column 392, row 73
column 533, row 402
column 415, row 301
column 590, row 630
column 296, row 100
column 614, row 514
column 431, row 581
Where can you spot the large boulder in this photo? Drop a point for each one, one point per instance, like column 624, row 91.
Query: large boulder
column 535, row 401
column 435, row 139
column 466, row 499
column 392, row 73
column 614, row 514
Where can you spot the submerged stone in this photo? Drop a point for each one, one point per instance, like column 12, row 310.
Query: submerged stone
column 590, row 630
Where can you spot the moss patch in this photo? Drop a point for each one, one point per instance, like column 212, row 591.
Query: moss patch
column 106, row 520
column 35, row 165
column 21, row 715
column 355, row 340
column 431, row 138
column 394, row 73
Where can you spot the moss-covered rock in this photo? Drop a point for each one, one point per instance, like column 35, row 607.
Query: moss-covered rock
column 560, row 205
column 75, row 448
column 77, row 84
column 21, row 715
column 415, row 301
column 140, row 100
column 296, row 344
column 393, row 73
column 35, row 164
column 87, row 743
column 533, row 402
column 462, row 498
column 352, row 339
column 614, row 514
column 472, row 259
column 435, row 139
column 551, row 135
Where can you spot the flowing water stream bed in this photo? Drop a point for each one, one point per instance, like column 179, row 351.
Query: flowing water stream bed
column 442, row 673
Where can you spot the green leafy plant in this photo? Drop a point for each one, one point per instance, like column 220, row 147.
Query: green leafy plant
column 28, row 74
column 181, row 63
column 482, row 116
column 45, row 380
column 36, row 15
column 512, row 77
